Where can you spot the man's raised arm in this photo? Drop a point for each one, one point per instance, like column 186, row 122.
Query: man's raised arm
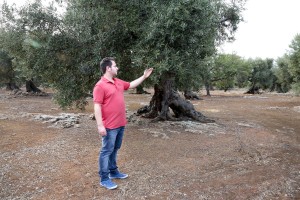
column 136, row 82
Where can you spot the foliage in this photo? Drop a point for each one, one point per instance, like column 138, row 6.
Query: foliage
column 25, row 33
column 229, row 71
column 262, row 76
column 294, row 67
column 180, row 36
column 42, row 50
column 284, row 78
column 6, row 70
column 243, row 73
column 296, row 88
column 295, row 58
column 105, row 28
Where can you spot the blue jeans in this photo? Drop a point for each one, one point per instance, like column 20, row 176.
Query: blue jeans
column 111, row 143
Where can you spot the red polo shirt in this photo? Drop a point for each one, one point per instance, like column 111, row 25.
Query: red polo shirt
column 111, row 97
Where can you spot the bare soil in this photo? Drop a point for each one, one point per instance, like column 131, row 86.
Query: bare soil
column 251, row 152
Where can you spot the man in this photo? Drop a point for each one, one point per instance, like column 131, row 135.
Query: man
column 109, row 108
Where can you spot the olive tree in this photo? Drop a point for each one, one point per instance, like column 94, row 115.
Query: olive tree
column 284, row 77
column 294, row 67
column 227, row 71
column 24, row 34
column 7, row 74
column 262, row 75
column 177, row 41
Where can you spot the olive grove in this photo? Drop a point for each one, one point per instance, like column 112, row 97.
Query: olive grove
column 176, row 38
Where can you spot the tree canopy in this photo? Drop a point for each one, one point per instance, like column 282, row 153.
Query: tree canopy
column 262, row 76
column 229, row 71
column 284, row 77
column 294, row 67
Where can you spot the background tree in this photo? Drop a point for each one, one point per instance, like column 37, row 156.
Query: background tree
column 24, row 33
column 262, row 76
column 294, row 67
column 226, row 67
column 243, row 73
column 7, row 74
column 284, row 78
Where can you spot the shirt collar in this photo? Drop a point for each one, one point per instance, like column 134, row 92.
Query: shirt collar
column 106, row 80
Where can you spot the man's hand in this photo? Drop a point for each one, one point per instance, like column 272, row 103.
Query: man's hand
column 147, row 72
column 102, row 130
column 136, row 82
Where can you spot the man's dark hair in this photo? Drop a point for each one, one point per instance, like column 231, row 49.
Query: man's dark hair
column 106, row 62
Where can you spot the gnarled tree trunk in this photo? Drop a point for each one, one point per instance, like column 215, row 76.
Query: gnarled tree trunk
column 11, row 86
column 166, row 97
column 253, row 90
column 30, row 87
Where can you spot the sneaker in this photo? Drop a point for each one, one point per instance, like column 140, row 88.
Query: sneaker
column 118, row 176
column 108, row 184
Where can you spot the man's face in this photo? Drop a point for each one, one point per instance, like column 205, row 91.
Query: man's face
column 114, row 69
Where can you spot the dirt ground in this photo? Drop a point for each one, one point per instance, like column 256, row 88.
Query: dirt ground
column 251, row 152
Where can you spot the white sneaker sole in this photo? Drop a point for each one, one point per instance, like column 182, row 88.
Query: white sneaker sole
column 111, row 188
column 118, row 177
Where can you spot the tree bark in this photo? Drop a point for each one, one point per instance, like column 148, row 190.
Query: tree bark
column 253, row 90
column 11, row 86
column 30, row 87
column 207, row 87
column 166, row 97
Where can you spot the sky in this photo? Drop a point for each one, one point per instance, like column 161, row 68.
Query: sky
column 268, row 29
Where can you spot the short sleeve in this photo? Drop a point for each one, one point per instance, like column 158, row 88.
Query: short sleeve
column 125, row 84
column 98, row 94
